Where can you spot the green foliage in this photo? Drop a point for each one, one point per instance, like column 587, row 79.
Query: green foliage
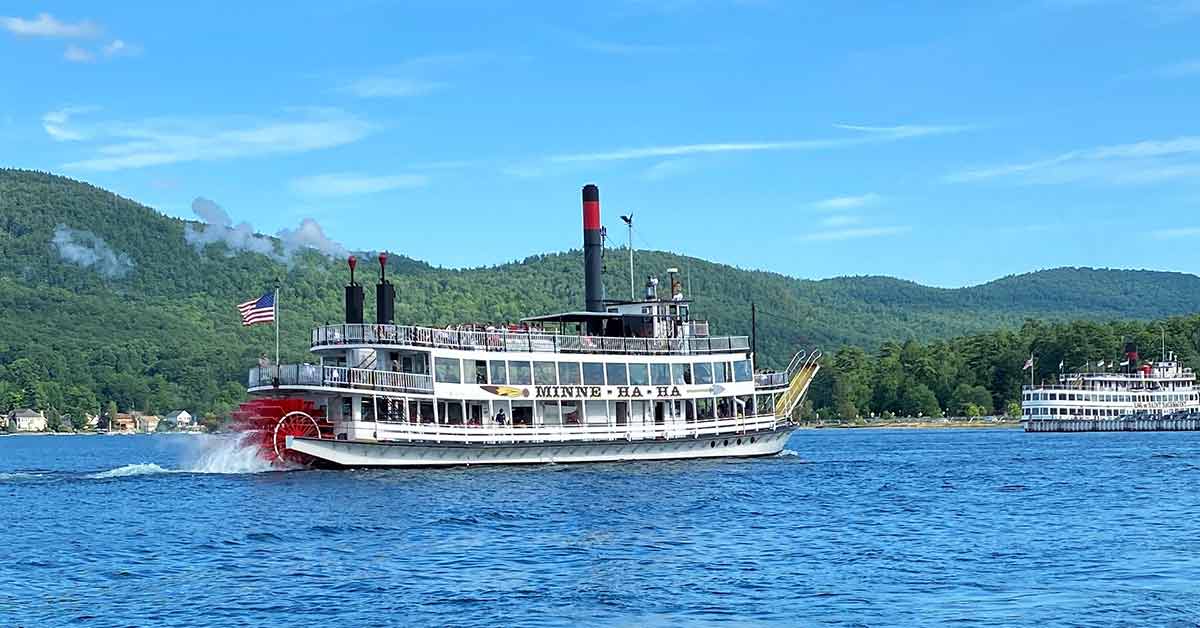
column 165, row 335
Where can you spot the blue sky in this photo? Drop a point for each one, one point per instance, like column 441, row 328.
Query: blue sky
column 947, row 143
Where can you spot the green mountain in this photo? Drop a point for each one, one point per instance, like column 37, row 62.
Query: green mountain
column 106, row 299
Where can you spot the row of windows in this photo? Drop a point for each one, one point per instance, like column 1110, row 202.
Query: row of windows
column 455, row 412
column 520, row 372
column 1105, row 398
column 1075, row 412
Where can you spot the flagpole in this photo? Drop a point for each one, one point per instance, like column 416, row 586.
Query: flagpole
column 276, row 325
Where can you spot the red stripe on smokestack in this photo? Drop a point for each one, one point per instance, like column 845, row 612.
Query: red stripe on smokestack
column 591, row 207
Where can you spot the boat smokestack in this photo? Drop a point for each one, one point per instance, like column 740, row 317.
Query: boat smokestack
column 593, row 250
column 385, row 295
column 1131, row 354
column 354, row 297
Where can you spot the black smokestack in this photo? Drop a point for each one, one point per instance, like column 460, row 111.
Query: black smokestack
column 385, row 295
column 593, row 248
column 1131, row 356
column 354, row 297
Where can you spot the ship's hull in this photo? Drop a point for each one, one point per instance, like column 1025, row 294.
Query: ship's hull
column 343, row 453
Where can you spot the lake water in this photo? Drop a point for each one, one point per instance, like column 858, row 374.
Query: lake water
column 867, row 527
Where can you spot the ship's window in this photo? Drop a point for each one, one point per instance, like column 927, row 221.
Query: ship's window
column 681, row 373
column 763, row 402
column 593, row 373
column 597, row 411
column 742, row 371
column 518, row 373
column 617, row 375
column 499, row 375
column 568, row 373
column 686, row 410
column 544, row 374
column 639, row 375
column 704, row 373
column 522, row 413
column 745, row 406
column 660, row 374
column 450, row 412
column 448, row 370
column 549, row 411
column 704, row 408
column 475, row 371
column 721, row 374
column 725, row 407
column 570, row 413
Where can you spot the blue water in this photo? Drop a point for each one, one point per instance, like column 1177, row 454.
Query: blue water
column 859, row 528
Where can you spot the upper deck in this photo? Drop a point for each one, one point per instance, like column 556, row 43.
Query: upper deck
column 502, row 339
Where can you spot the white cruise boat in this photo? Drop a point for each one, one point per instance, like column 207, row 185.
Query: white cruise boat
column 1157, row 388
column 617, row 381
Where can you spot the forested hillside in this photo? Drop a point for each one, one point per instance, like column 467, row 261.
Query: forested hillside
column 104, row 299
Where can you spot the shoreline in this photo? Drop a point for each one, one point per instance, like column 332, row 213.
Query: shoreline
column 953, row 425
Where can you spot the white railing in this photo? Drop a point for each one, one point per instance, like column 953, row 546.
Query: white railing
column 505, row 340
column 339, row 377
column 406, row 431
column 770, row 380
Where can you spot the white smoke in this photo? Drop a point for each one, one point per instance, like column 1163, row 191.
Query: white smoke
column 90, row 251
column 219, row 227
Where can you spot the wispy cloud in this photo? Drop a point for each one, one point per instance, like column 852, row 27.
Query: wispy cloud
column 158, row 141
column 75, row 54
column 668, row 168
column 1177, row 232
column 121, row 48
column 353, row 184
column 840, row 220
column 415, row 77
column 847, row 202
column 1138, row 162
column 867, row 135
column 854, row 233
column 46, row 25
column 56, row 124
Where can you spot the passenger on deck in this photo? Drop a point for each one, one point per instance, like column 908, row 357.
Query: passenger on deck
column 500, row 418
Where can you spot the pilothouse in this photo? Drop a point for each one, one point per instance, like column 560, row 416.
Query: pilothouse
column 615, row 381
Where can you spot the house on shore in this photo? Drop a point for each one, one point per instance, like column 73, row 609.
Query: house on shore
column 146, row 422
column 123, row 422
column 180, row 420
column 26, row 420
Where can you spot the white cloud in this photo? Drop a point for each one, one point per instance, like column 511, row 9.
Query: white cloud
column 1138, row 162
column 161, row 141
column 56, row 124
column 853, row 233
column 847, row 202
column 76, row 54
column 668, row 168
column 350, row 184
column 46, row 25
column 840, row 220
column 417, row 76
column 868, row 135
column 121, row 48
column 1178, row 232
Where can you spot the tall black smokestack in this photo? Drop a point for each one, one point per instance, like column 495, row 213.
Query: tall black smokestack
column 354, row 297
column 385, row 295
column 593, row 248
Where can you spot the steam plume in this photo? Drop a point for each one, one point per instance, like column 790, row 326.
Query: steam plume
column 219, row 227
column 90, row 251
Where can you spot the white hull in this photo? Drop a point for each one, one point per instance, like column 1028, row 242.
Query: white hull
column 427, row 454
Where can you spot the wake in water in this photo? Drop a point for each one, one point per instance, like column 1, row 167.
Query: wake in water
column 204, row 454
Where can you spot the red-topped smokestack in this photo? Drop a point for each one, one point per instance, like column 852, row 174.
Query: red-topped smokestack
column 385, row 295
column 354, row 296
column 593, row 247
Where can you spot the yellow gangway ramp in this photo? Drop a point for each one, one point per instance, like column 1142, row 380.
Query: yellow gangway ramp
column 800, row 374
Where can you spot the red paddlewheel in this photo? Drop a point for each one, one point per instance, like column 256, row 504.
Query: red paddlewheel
column 266, row 423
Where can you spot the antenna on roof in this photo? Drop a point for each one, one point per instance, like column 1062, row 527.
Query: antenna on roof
column 629, row 243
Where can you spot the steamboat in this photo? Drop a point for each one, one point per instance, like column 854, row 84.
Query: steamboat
column 1141, row 396
column 617, row 381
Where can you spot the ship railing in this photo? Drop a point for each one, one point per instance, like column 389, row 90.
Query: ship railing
column 317, row 375
column 770, row 380
column 491, row 433
column 507, row 340
column 1136, row 385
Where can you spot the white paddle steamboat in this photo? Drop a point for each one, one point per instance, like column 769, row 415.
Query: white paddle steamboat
column 620, row 380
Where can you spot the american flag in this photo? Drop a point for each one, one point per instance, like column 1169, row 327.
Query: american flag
column 260, row 310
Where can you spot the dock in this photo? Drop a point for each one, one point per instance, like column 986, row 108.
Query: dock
column 1188, row 423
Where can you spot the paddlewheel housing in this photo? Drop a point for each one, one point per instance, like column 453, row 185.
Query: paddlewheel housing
column 266, row 423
